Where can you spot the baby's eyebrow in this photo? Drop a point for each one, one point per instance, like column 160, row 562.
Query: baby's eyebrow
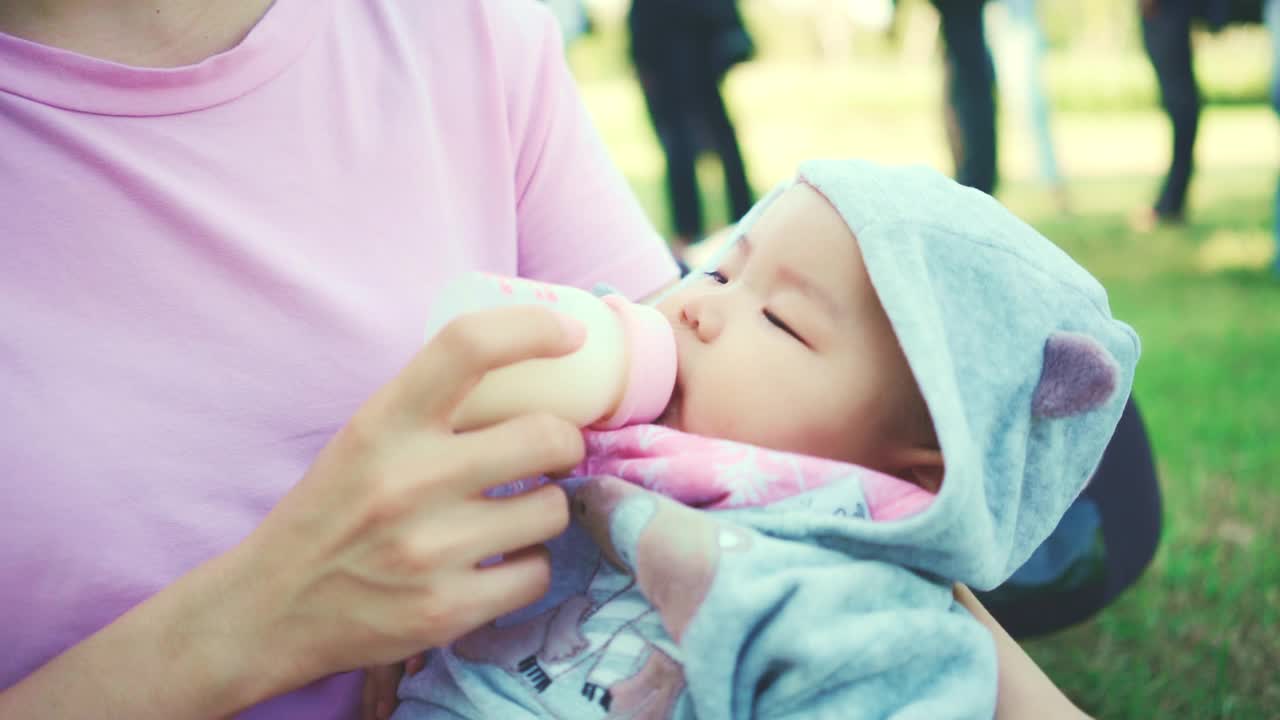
column 799, row 281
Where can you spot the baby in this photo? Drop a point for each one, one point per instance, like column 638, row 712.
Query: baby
column 887, row 384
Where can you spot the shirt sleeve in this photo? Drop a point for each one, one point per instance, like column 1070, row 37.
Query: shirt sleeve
column 578, row 222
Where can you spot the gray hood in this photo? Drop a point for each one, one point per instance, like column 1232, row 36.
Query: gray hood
column 1023, row 368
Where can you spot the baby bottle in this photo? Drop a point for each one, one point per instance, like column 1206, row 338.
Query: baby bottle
column 623, row 374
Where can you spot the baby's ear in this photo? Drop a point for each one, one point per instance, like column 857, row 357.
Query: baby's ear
column 1079, row 375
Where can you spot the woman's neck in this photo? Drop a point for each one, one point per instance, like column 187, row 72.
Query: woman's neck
column 142, row 33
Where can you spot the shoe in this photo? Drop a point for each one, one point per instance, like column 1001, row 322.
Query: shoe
column 1148, row 219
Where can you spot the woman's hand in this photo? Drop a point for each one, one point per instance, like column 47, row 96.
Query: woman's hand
column 375, row 555
column 1024, row 691
column 371, row 558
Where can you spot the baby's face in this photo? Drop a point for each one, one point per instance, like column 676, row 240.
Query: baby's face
column 786, row 346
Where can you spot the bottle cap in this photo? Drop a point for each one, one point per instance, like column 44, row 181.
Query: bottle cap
column 651, row 371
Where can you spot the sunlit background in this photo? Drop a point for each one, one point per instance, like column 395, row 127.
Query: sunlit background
column 1199, row 636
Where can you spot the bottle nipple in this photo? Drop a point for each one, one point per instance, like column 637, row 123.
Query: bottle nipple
column 651, row 372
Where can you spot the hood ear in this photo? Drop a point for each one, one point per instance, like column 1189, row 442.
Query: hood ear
column 1078, row 375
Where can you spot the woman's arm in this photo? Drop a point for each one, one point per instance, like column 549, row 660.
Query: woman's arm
column 372, row 557
column 193, row 650
column 1024, row 690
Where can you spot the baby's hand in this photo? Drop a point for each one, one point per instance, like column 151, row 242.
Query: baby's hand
column 378, row 700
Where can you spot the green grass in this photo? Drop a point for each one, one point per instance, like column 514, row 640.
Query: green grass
column 1199, row 636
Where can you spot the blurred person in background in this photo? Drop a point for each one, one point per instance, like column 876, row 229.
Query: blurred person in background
column 1020, row 50
column 682, row 50
column 1166, row 36
column 970, row 109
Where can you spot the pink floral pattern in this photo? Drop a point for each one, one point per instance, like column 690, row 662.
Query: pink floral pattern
column 720, row 474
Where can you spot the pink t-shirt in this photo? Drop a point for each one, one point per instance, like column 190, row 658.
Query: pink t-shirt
column 205, row 270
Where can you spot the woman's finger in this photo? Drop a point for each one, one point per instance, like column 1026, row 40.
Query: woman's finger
column 526, row 446
column 444, row 371
column 500, row 526
column 521, row 578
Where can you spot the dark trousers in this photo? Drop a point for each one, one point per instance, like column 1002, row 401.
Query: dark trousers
column 682, row 92
column 1167, row 38
column 970, row 91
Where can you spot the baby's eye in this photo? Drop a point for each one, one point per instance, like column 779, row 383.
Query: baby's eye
column 717, row 276
column 783, row 326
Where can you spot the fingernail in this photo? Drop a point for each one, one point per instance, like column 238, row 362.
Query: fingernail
column 574, row 329
column 384, row 710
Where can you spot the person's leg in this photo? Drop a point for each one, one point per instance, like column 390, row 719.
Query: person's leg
column 667, row 89
column 971, row 91
column 1028, row 39
column 724, row 137
column 1166, row 36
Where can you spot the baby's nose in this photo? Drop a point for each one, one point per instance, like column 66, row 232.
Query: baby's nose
column 701, row 316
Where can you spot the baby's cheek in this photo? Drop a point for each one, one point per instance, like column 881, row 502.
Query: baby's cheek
column 806, row 427
column 710, row 417
column 718, row 409
column 749, row 420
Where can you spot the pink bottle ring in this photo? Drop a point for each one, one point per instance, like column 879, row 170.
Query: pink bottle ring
column 651, row 370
